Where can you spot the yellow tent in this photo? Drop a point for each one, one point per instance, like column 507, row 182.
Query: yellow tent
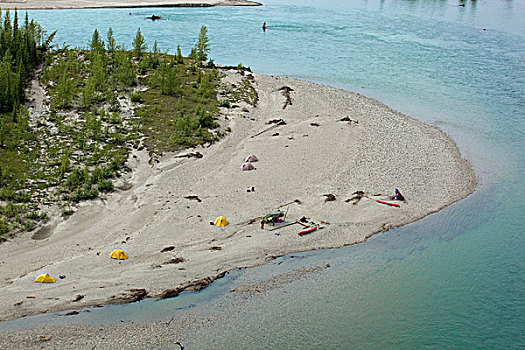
column 45, row 278
column 118, row 254
column 221, row 221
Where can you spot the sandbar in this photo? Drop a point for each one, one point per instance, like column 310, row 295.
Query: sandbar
column 332, row 142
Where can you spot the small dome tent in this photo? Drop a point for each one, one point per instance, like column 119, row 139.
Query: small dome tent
column 251, row 158
column 118, row 254
column 247, row 166
column 45, row 278
column 221, row 221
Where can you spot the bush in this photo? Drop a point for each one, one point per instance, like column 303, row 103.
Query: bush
column 135, row 97
column 22, row 197
column 76, row 196
column 75, row 179
column 87, row 193
column 10, row 210
column 207, row 121
column 91, row 193
column 4, row 228
column 7, row 193
column 97, row 176
column 105, row 185
column 117, row 162
column 224, row 103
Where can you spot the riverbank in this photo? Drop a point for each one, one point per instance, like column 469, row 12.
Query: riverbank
column 333, row 142
column 90, row 4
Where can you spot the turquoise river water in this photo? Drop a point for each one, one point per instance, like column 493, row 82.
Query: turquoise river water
column 452, row 280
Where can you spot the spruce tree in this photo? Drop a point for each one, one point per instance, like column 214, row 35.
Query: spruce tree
column 179, row 59
column 112, row 46
column 96, row 46
column 202, row 47
column 139, row 45
column 19, row 55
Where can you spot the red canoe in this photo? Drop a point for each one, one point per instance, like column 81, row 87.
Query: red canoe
column 388, row 203
column 307, row 231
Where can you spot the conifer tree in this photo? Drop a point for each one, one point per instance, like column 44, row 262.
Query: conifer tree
column 153, row 57
column 179, row 59
column 202, row 47
column 125, row 73
column 64, row 92
column 97, row 46
column 193, row 53
column 18, row 57
column 139, row 45
column 98, row 72
column 112, row 46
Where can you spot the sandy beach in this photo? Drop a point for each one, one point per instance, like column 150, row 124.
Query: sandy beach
column 79, row 4
column 333, row 142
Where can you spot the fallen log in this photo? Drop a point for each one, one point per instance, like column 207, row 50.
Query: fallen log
column 270, row 128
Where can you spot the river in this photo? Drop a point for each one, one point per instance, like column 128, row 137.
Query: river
column 452, row 280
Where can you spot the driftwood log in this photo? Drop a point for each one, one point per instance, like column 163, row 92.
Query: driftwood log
column 285, row 90
column 357, row 195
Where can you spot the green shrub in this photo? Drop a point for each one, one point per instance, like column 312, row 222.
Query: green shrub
column 135, row 97
column 75, row 179
column 207, row 121
column 224, row 103
column 97, row 175
column 91, row 193
column 76, row 196
column 105, row 185
column 81, row 194
column 117, row 162
column 22, row 197
column 10, row 210
column 7, row 193
column 4, row 228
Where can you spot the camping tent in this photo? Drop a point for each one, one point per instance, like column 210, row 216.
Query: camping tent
column 247, row 166
column 221, row 221
column 45, row 278
column 118, row 254
column 251, row 158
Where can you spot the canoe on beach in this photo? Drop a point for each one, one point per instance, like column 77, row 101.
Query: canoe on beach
column 388, row 203
column 307, row 231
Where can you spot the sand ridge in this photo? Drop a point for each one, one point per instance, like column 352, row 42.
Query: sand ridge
column 313, row 154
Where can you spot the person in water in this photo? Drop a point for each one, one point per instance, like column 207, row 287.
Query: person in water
column 264, row 26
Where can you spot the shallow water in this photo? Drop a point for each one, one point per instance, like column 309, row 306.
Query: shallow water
column 452, row 280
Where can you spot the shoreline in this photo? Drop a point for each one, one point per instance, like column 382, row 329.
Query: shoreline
column 99, row 4
column 154, row 214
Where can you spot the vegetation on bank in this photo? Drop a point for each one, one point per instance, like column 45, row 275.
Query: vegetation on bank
column 97, row 105
column 21, row 50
